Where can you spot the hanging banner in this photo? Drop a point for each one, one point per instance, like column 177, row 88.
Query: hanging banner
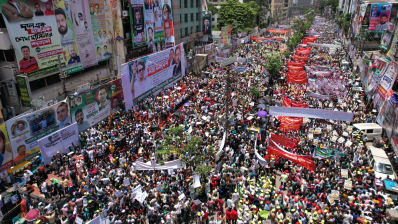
column 24, row 90
column 206, row 22
column 99, row 29
column 33, row 33
column 115, row 19
column 6, row 159
column 288, row 143
column 209, row 50
column 389, row 118
column 168, row 25
column 394, row 45
column 65, row 25
column 24, row 131
column 158, row 22
column 137, row 23
column 299, row 159
column 310, row 113
column 388, row 79
column 83, row 34
column 379, row 17
column 394, row 137
column 386, row 37
column 97, row 104
column 150, row 74
column 287, row 102
column 225, row 36
column 59, row 141
column 149, row 26
column 376, row 72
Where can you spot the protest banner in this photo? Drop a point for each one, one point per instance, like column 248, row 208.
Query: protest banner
column 59, row 141
column 348, row 184
column 150, row 74
column 24, row 131
column 299, row 159
column 310, row 113
column 299, row 57
column 288, row 143
column 344, row 173
column 97, row 104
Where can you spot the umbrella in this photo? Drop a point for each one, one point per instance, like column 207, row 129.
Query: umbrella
column 32, row 215
column 186, row 104
column 261, row 106
column 262, row 113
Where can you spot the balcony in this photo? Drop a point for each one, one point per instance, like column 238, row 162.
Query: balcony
column 5, row 44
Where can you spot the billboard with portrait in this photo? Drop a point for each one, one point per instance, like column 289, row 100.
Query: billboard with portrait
column 6, row 160
column 137, row 23
column 115, row 20
column 97, row 104
column 150, row 74
column 99, row 29
column 206, row 23
column 379, row 17
column 168, row 26
column 158, row 22
column 60, row 141
column 34, row 36
column 149, row 25
column 24, row 131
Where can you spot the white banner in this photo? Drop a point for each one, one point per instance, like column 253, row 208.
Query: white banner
column 310, row 113
column 59, row 141
column 175, row 164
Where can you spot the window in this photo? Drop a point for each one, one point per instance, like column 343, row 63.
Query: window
column 192, row 17
column 197, row 3
column 369, row 131
column 7, row 55
column 186, row 17
column 185, row 3
column 180, row 17
column 197, row 16
column 186, row 31
column 212, row 19
column 182, row 34
column 191, row 30
column 191, row 4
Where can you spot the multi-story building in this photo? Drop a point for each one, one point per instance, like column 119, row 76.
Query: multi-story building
column 280, row 8
column 304, row 3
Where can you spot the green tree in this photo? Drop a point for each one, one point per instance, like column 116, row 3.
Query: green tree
column 274, row 63
column 254, row 92
column 189, row 151
column 232, row 10
column 212, row 8
column 333, row 3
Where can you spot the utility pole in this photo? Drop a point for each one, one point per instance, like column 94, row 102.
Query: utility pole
column 62, row 76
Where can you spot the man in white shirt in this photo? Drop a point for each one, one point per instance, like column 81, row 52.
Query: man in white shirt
column 65, row 33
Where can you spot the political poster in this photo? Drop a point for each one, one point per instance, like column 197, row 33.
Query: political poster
column 209, row 50
column 158, row 22
column 386, row 37
column 379, row 17
column 99, row 29
column 59, row 141
column 149, row 26
column 150, row 74
column 394, row 44
column 376, row 72
column 137, row 23
column 168, row 25
column 388, row 80
column 24, row 131
column 115, row 19
column 6, row 159
column 394, row 137
column 225, row 36
column 66, row 34
column 390, row 116
column 33, row 33
column 83, row 33
column 97, row 104
column 206, row 23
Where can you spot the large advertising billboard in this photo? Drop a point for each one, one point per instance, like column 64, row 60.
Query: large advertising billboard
column 97, row 104
column 152, row 73
column 99, row 29
column 6, row 159
column 33, row 33
column 59, row 141
column 83, row 34
column 24, row 131
column 379, row 17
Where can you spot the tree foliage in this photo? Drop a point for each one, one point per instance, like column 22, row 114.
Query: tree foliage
column 212, row 8
column 333, row 3
column 243, row 13
column 274, row 63
column 189, row 151
column 255, row 92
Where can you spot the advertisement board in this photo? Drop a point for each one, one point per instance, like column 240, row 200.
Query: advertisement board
column 206, row 18
column 97, row 104
column 59, row 141
column 168, row 25
column 379, row 17
column 99, row 29
column 137, row 23
column 24, row 90
column 158, row 22
column 388, row 79
column 6, row 159
column 24, row 131
column 83, row 34
column 33, row 33
column 152, row 73
column 115, row 19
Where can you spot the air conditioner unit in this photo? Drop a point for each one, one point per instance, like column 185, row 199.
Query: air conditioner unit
column 125, row 13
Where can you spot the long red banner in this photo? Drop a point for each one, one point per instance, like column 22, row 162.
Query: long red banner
column 296, row 68
column 287, row 102
column 302, row 105
column 294, row 76
column 283, row 141
column 296, row 80
column 290, row 123
column 296, row 63
column 303, row 58
column 305, row 51
column 301, row 160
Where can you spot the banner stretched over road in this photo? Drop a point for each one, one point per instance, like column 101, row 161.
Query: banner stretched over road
column 299, row 159
column 288, row 143
column 34, row 36
column 150, row 74
column 97, row 104
column 6, row 159
column 24, row 131
column 310, row 113
column 84, row 36
column 59, row 141
column 99, row 29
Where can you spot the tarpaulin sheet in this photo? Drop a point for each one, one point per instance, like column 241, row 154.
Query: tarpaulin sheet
column 310, row 113
column 299, row 159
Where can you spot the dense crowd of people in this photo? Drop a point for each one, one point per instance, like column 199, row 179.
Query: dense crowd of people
column 244, row 184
